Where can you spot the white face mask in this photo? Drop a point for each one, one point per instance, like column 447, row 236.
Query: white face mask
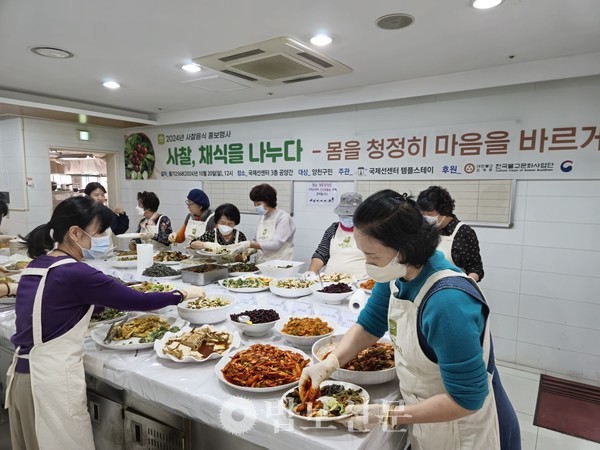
column 433, row 220
column 224, row 229
column 260, row 209
column 100, row 246
column 139, row 210
column 389, row 272
column 347, row 221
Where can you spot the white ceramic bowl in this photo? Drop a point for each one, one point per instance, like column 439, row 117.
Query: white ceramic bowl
column 255, row 329
column 330, row 298
column 302, row 341
column 276, row 268
column 327, row 344
column 206, row 315
column 289, row 292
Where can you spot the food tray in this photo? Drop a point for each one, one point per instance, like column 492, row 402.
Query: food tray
column 190, row 275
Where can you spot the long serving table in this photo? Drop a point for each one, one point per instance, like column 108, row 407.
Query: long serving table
column 194, row 391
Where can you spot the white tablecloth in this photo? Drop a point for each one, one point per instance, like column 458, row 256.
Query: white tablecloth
column 194, row 391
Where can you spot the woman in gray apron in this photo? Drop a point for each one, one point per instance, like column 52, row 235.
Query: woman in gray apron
column 458, row 241
column 438, row 322
column 46, row 390
column 154, row 227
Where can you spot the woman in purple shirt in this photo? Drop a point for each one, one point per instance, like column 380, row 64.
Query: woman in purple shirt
column 57, row 294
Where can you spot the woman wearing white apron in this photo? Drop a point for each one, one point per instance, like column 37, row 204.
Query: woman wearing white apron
column 438, row 322
column 275, row 230
column 338, row 251
column 46, row 390
column 226, row 217
column 458, row 241
column 154, row 227
column 199, row 219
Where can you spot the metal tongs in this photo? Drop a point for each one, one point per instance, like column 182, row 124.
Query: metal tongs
column 112, row 331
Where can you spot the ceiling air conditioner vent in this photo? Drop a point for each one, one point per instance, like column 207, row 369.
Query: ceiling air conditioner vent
column 282, row 60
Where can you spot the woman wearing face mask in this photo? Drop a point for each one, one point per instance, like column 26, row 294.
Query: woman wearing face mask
column 227, row 216
column 438, row 321
column 46, row 391
column 197, row 221
column 338, row 248
column 153, row 226
column 120, row 223
column 275, row 230
column 458, row 241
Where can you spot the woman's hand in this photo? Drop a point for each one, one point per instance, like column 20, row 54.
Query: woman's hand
column 173, row 237
column 312, row 376
column 192, row 292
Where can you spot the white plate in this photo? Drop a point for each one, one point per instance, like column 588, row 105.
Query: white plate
column 99, row 333
column 242, row 290
column 289, row 292
column 331, row 299
column 160, row 345
column 243, row 274
column 213, row 254
column 172, row 277
column 130, row 235
column 122, row 264
column 114, row 319
column 223, row 362
column 364, row 394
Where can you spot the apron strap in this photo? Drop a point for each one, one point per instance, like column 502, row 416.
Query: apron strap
column 34, row 272
column 37, row 302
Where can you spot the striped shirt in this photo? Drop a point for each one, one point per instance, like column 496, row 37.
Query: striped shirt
column 322, row 251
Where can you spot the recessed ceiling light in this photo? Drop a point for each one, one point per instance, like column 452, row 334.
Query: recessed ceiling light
column 321, row 40
column 192, row 67
column 395, row 21
column 111, row 85
column 485, row 4
column 52, row 52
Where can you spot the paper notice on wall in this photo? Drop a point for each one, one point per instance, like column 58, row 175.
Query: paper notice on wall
column 322, row 193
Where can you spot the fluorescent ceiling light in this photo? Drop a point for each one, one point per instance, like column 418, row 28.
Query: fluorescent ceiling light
column 192, row 68
column 485, row 4
column 111, row 85
column 321, row 40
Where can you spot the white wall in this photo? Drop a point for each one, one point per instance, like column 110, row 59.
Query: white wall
column 541, row 275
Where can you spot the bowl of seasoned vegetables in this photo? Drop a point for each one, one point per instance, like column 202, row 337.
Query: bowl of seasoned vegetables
column 291, row 287
column 373, row 365
column 280, row 268
column 211, row 308
column 304, row 331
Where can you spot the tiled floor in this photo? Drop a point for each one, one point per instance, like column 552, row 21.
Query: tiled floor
column 522, row 388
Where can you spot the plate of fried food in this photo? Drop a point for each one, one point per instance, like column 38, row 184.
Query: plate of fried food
column 136, row 332
column 170, row 258
column 197, row 344
column 262, row 368
column 326, row 404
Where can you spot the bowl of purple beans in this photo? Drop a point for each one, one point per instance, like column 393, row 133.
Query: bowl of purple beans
column 332, row 293
column 254, row 322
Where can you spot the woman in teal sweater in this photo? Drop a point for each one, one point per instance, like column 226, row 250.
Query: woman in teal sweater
column 438, row 321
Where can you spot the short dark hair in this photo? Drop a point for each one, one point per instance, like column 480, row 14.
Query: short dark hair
column 149, row 200
column 436, row 198
column 79, row 211
column 91, row 187
column 3, row 209
column 395, row 220
column 264, row 193
column 228, row 210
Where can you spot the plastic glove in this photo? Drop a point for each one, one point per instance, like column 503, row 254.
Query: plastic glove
column 146, row 236
column 192, row 292
column 240, row 247
column 365, row 417
column 310, row 275
column 312, row 376
column 172, row 237
column 212, row 246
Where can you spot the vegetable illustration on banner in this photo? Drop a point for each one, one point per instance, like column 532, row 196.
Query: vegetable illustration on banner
column 139, row 157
